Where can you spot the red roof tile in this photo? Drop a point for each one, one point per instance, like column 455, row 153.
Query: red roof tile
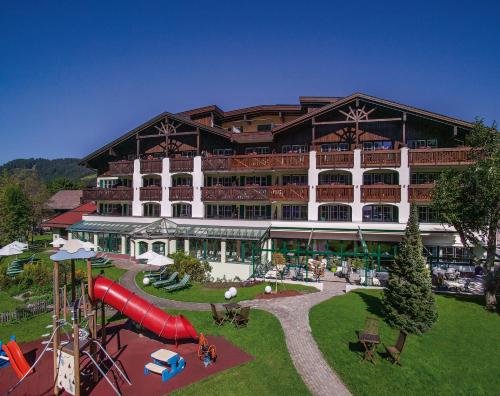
column 71, row 217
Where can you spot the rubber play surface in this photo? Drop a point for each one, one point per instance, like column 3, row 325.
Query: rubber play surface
column 132, row 351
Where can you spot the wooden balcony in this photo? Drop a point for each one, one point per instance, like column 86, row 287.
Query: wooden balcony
column 381, row 193
column 151, row 165
column 183, row 164
column 152, row 193
column 380, row 158
column 420, row 192
column 334, row 193
column 118, row 168
column 181, row 193
column 108, row 194
column 256, row 193
column 441, row 156
column 335, row 159
column 256, row 162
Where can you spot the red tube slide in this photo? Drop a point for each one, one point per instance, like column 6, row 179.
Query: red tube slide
column 170, row 327
column 16, row 358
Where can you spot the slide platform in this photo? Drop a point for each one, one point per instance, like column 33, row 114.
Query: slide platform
column 16, row 358
column 172, row 328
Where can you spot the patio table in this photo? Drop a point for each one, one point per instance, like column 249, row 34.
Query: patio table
column 369, row 342
column 164, row 356
column 232, row 310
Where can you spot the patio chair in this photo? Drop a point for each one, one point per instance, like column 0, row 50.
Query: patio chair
column 218, row 316
column 101, row 264
column 166, row 282
column 241, row 319
column 157, row 274
column 369, row 338
column 181, row 285
column 395, row 351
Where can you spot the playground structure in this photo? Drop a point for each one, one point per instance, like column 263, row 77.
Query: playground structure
column 84, row 341
column 11, row 354
column 206, row 353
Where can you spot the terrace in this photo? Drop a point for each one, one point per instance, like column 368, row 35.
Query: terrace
column 381, row 193
column 108, row 194
column 255, row 193
column 254, row 162
column 441, row 156
column 334, row 193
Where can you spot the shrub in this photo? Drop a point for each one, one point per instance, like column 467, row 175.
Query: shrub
column 185, row 264
column 37, row 278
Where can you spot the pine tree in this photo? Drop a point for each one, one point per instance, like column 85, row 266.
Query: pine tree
column 408, row 300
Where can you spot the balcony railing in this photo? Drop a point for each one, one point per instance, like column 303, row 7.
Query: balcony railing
column 420, row 192
column 441, row 156
column 181, row 193
column 151, row 166
column 381, row 193
column 258, row 161
column 380, row 158
column 152, row 193
column 256, row 193
column 334, row 193
column 181, row 164
column 118, row 168
column 108, row 194
column 335, row 159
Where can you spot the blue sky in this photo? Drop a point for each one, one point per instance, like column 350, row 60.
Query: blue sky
column 74, row 75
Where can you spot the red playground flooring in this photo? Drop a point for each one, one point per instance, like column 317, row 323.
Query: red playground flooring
column 131, row 351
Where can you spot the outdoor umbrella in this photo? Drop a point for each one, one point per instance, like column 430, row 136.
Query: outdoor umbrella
column 19, row 245
column 10, row 250
column 146, row 255
column 58, row 242
column 159, row 261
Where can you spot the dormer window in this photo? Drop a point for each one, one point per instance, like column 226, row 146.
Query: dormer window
column 264, row 127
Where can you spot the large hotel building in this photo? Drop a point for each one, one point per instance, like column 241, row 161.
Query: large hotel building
column 330, row 177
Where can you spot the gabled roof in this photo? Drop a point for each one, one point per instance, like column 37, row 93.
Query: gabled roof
column 203, row 110
column 71, row 217
column 64, row 200
column 151, row 122
column 375, row 100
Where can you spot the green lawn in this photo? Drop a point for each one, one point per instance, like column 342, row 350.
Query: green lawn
column 111, row 272
column 458, row 356
column 7, row 303
column 197, row 293
column 271, row 373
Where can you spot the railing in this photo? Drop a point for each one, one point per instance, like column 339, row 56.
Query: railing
column 152, row 193
column 381, row 193
column 335, row 193
column 258, row 161
column 441, row 156
column 335, row 159
column 255, row 193
column 151, row 166
column 380, row 158
column 121, row 168
column 108, row 194
column 181, row 193
column 181, row 164
column 420, row 192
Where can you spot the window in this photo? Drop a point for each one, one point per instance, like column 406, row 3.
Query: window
column 454, row 253
column 221, row 211
column 225, row 181
column 328, row 147
column 294, row 212
column 294, row 148
column 424, row 178
column 152, row 181
column 181, row 210
column 380, row 213
column 422, row 143
column 378, row 178
column 189, row 154
column 257, row 212
column 182, row 181
column 257, row 181
column 108, row 183
column 377, row 145
column 264, row 127
column 427, row 214
column 151, row 210
column 299, row 180
column 335, row 213
column 223, row 151
column 257, row 150
column 115, row 209
column 236, row 129
column 335, row 178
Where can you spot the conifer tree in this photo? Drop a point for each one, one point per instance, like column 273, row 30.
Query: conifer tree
column 408, row 300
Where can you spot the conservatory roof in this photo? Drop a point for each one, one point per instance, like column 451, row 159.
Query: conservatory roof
column 164, row 227
column 105, row 226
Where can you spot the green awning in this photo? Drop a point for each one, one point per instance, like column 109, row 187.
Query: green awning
column 105, row 226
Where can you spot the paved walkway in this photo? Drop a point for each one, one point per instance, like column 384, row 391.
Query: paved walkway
column 293, row 313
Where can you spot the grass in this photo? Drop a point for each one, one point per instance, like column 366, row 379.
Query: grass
column 7, row 303
column 198, row 293
column 458, row 356
column 271, row 373
column 112, row 272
